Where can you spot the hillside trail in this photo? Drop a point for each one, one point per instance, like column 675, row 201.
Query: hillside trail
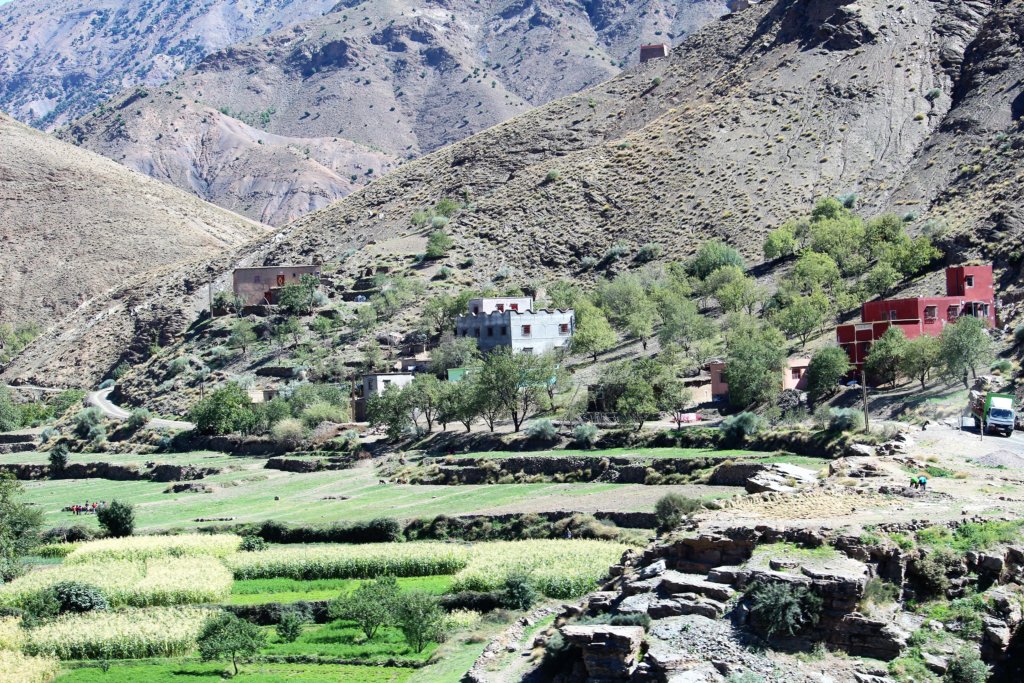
column 101, row 399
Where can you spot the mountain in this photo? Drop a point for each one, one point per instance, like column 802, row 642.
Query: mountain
column 61, row 58
column 914, row 107
column 75, row 225
column 292, row 121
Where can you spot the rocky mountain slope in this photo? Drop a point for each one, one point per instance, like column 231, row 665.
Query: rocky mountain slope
column 913, row 107
column 75, row 225
column 61, row 58
column 294, row 120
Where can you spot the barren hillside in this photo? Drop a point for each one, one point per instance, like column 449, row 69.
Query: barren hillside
column 912, row 107
column 294, row 120
column 75, row 225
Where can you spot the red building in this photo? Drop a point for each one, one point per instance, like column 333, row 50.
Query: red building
column 969, row 291
column 656, row 51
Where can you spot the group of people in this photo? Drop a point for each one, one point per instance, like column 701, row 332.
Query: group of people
column 919, row 482
column 86, row 509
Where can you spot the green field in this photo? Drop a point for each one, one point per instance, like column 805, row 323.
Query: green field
column 178, row 672
column 344, row 640
column 283, row 590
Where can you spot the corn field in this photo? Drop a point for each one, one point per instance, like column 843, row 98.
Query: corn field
column 11, row 634
column 18, row 668
column 148, row 547
column 351, row 561
column 150, row 583
column 131, row 634
column 559, row 569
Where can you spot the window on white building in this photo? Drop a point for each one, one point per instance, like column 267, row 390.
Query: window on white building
column 563, row 329
column 526, row 330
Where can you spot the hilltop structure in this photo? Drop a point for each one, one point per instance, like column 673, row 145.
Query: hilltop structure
column 512, row 322
column 969, row 291
column 256, row 286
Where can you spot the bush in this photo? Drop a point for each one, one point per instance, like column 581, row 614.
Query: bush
column 672, row 508
column 252, row 544
column 1018, row 334
column 138, row 419
column 59, row 458
column 880, row 592
column 106, row 384
column 518, row 592
column 783, row 608
column 380, row 530
column 317, row 413
column 542, row 430
column 438, row 243
column 68, row 534
column 290, row 627
column 1003, row 366
column 711, row 256
column 419, row 617
column 585, row 434
column 931, row 575
column 966, row 667
column 289, row 433
column 588, row 263
column 552, row 176
column 117, row 519
column 737, row 428
column 649, row 252
column 77, row 598
column 86, row 420
column 845, row 420
column 616, row 251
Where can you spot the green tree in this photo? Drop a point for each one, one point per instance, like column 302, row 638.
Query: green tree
column 827, row 369
column 683, row 324
column 438, row 244
column 420, row 618
column 814, row 271
column 966, row 346
column 372, row 605
column 637, row 403
column 117, row 519
column 675, row 398
column 224, row 411
column 802, row 317
column 19, row 527
column 390, row 409
column 564, row 295
column 59, row 458
column 780, row 243
column 454, row 352
column 886, row 356
column 711, row 256
column 440, row 312
column 921, row 356
column 628, row 307
column 882, row 278
column 754, row 364
column 10, row 414
column 243, row 335
column 299, row 298
column 225, row 636
column 594, row 335
column 364, row 321
column 484, row 401
column 424, row 399
column 515, row 380
column 290, row 627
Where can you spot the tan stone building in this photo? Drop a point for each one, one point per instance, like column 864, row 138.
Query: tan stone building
column 256, row 286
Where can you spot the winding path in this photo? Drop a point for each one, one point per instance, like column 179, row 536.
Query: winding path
column 101, row 400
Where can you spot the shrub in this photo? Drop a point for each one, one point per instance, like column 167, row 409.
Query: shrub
column 1003, row 366
column 289, row 432
column 439, row 242
column 138, row 419
column 880, row 592
column 783, row 607
column 86, row 420
column 589, row 262
column 552, row 176
column 931, row 574
column 420, row 618
column 117, row 519
column 68, row 534
column 518, row 592
column 1018, row 334
column 737, row 428
column 649, row 252
column 672, row 508
column 711, row 256
column 252, row 544
column 290, row 627
column 966, row 667
column 585, row 434
column 616, row 251
column 79, row 597
column 542, row 430
column 106, row 384
column 319, row 412
column 845, row 420
column 59, row 458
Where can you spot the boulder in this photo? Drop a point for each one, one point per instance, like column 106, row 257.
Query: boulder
column 610, row 653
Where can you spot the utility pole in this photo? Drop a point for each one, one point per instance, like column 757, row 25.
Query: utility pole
column 864, row 399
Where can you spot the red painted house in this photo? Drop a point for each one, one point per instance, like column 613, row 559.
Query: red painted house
column 970, row 290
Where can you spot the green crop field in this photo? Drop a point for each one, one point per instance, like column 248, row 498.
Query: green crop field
column 179, row 672
column 284, row 590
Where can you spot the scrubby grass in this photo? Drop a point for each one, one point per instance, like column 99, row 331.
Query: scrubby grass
column 284, row 590
column 18, row 668
column 640, row 453
column 178, row 672
column 971, row 536
column 345, row 640
column 792, row 551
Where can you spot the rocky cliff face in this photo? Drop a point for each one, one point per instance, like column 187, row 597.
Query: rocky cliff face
column 294, row 120
column 61, row 58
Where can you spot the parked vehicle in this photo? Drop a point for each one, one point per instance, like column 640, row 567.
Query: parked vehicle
column 993, row 412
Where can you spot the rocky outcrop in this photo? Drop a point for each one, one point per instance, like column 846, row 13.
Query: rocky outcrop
column 762, row 477
column 610, row 653
column 113, row 472
column 307, row 465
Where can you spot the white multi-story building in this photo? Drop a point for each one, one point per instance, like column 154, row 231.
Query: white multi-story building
column 512, row 322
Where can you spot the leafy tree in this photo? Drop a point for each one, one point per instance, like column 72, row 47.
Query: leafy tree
column 965, row 346
column 683, row 324
column 117, row 519
column 828, row 208
column 440, row 312
column 243, row 335
column 225, row 636
column 887, row 228
column 921, row 356
column 882, row 278
column 886, row 356
column 424, row 399
column 420, row 618
column 593, row 335
column 784, row 608
column 516, row 381
column 290, row 627
column 299, row 298
column 675, row 398
column 390, row 409
column 364, row 321
column 372, row 605
column 814, row 271
column 453, row 352
column 19, row 526
column 711, row 256
column 59, row 457
column 780, row 243
column 637, row 403
column 564, row 295
column 735, row 429
column 438, row 244
column 485, row 402
column 628, row 306
column 224, row 411
column 802, row 317
column 754, row 366
column 289, row 327
column 827, row 368
column 10, row 414
column 322, row 326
